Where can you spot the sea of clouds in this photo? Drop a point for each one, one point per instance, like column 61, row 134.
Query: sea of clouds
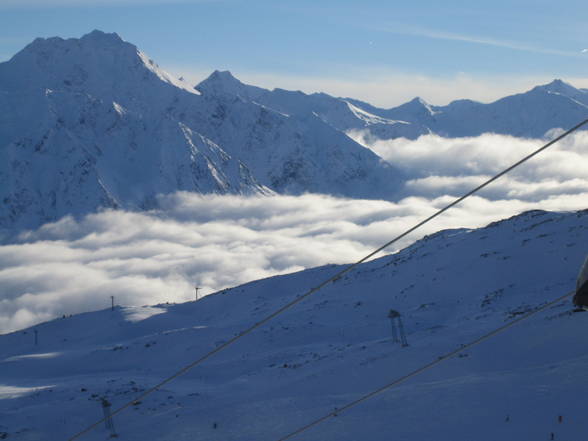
column 215, row 242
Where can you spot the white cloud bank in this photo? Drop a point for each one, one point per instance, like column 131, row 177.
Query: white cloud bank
column 220, row 241
column 438, row 166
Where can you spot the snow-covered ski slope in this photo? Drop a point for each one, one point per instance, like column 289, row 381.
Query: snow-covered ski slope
column 450, row 287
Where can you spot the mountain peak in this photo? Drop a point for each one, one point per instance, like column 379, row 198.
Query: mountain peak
column 416, row 106
column 220, row 79
column 558, row 86
column 224, row 83
column 99, row 63
column 96, row 38
column 223, row 75
column 563, row 89
column 418, row 101
column 102, row 37
column 46, row 54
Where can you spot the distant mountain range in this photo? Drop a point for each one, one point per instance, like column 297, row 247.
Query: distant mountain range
column 530, row 114
column 93, row 122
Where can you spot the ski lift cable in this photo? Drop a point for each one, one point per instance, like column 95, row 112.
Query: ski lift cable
column 422, row 369
column 333, row 278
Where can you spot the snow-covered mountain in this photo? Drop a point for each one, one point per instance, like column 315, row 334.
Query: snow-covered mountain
column 83, row 125
column 531, row 114
column 451, row 288
column 93, row 122
column 341, row 114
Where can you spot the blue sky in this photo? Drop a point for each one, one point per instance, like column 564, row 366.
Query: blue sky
column 382, row 51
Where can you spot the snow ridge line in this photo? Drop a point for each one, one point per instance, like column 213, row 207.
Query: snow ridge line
column 332, row 279
column 424, row 368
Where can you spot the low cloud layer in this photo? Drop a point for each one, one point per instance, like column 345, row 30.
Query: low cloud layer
column 437, row 166
column 220, row 241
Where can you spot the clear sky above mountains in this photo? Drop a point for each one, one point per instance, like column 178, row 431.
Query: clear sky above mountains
column 380, row 51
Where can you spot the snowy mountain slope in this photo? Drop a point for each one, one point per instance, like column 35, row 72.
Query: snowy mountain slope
column 450, row 287
column 414, row 110
column 295, row 154
column 339, row 113
column 90, row 154
column 530, row 114
column 559, row 87
column 132, row 132
column 292, row 153
column 83, row 126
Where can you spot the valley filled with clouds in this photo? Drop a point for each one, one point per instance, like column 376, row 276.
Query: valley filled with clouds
column 436, row 166
column 215, row 242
